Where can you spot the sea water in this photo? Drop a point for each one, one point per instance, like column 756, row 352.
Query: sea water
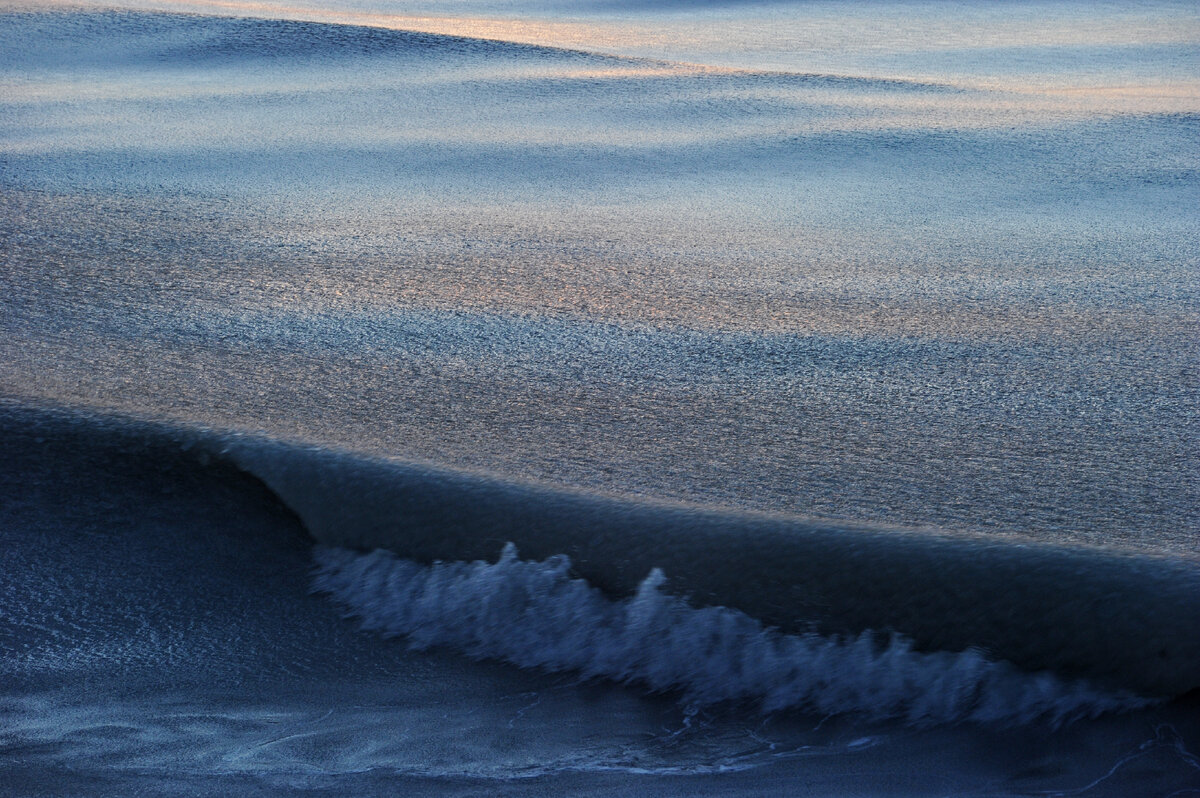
column 580, row 398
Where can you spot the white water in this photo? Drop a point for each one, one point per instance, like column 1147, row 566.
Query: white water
column 533, row 614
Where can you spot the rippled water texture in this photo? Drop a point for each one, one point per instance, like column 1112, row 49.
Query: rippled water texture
column 921, row 265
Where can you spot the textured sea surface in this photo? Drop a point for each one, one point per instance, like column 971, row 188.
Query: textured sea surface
column 600, row 397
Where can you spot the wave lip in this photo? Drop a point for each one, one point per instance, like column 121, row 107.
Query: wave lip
column 534, row 614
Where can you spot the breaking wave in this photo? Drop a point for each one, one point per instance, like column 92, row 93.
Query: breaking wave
column 535, row 615
column 773, row 610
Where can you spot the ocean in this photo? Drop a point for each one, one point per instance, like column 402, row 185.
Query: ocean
column 650, row 397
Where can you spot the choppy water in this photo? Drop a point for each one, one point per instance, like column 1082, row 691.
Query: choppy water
column 898, row 299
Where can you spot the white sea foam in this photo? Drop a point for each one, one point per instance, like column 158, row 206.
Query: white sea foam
column 535, row 615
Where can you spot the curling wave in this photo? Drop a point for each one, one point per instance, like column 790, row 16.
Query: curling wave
column 1124, row 621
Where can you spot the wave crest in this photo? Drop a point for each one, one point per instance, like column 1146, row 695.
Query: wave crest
column 535, row 615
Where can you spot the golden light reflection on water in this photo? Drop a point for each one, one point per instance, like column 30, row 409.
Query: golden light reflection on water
column 758, row 104
column 550, row 33
column 850, row 43
column 877, row 29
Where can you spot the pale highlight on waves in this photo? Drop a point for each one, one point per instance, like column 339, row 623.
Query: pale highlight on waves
column 787, row 43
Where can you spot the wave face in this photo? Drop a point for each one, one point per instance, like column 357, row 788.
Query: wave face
column 535, row 615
